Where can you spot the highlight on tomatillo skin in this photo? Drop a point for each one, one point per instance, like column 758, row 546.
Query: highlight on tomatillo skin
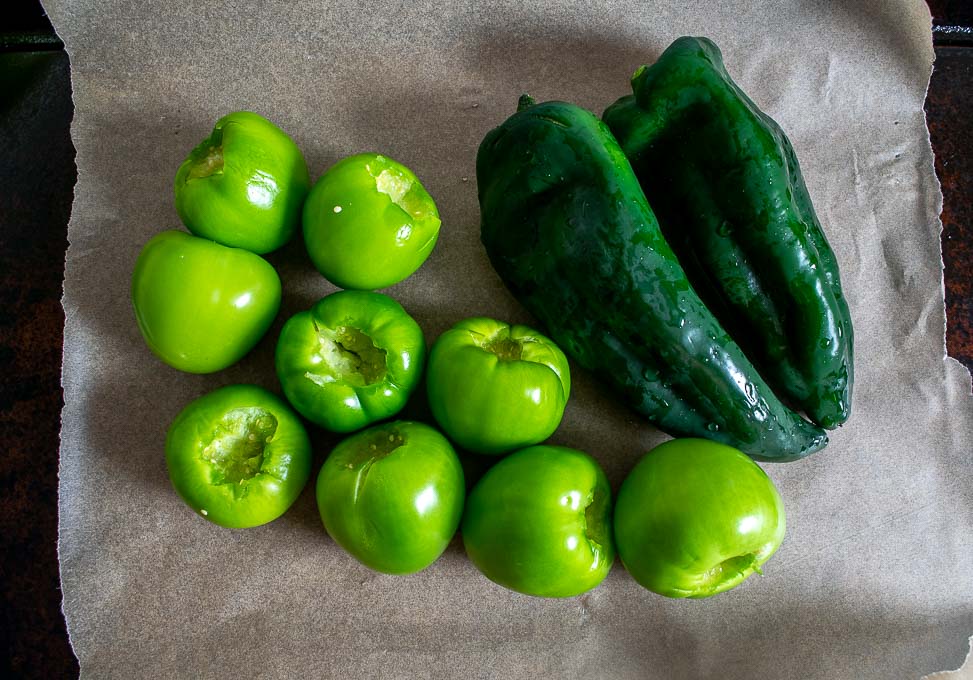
column 199, row 305
column 244, row 185
column 238, row 456
column 392, row 496
column 539, row 522
column 369, row 223
column 351, row 360
column 695, row 518
column 495, row 387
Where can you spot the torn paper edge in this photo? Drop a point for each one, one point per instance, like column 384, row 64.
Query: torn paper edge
column 965, row 671
column 952, row 364
column 65, row 406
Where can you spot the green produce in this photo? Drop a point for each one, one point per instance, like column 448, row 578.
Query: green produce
column 727, row 188
column 568, row 229
column 238, row 456
column 244, row 185
column 202, row 306
column 352, row 359
column 392, row 496
column 369, row 223
column 695, row 518
column 539, row 522
column 495, row 387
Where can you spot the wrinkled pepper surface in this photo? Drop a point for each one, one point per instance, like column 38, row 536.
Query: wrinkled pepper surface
column 726, row 186
column 568, row 228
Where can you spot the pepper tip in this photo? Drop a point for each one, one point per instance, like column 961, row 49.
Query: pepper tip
column 525, row 102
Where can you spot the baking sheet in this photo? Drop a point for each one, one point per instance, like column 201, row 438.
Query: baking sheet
column 873, row 579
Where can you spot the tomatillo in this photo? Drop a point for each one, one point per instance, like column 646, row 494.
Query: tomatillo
column 244, row 185
column 238, row 456
column 494, row 387
column 202, row 306
column 695, row 518
column 351, row 360
column 539, row 522
column 392, row 496
column 369, row 223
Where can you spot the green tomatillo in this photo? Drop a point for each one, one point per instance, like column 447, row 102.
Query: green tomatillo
column 352, row 359
column 494, row 387
column 539, row 522
column 392, row 496
column 238, row 456
column 202, row 306
column 369, row 223
column 244, row 185
column 695, row 518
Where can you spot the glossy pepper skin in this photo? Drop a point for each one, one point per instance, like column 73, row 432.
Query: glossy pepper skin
column 568, row 229
column 727, row 188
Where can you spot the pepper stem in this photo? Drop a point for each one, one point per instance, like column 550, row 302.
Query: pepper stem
column 525, row 102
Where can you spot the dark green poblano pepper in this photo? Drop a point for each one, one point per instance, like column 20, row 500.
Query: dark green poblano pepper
column 725, row 184
column 568, row 229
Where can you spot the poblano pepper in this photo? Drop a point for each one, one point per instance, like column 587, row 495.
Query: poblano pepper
column 726, row 186
column 568, row 229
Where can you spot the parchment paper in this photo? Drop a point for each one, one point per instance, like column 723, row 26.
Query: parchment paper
column 875, row 577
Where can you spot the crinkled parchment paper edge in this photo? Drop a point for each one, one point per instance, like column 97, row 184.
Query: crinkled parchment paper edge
column 964, row 672
column 64, row 406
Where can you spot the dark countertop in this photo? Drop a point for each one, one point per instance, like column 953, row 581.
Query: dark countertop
column 38, row 175
column 948, row 113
